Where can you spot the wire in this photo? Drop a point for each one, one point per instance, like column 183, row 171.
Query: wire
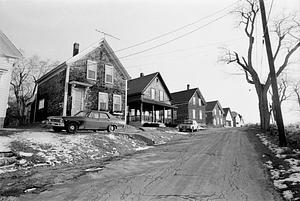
column 174, row 39
column 175, row 30
column 270, row 10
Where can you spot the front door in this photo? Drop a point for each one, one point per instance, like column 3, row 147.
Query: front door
column 77, row 100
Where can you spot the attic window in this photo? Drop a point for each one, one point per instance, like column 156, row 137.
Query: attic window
column 91, row 70
column 109, row 74
column 194, row 100
column 199, row 102
column 41, row 104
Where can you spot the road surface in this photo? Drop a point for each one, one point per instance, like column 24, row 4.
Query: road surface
column 219, row 164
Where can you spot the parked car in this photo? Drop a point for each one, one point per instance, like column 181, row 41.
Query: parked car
column 85, row 120
column 188, row 125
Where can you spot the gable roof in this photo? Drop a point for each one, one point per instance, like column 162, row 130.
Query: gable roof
column 226, row 110
column 186, row 95
column 81, row 54
column 211, row 105
column 7, row 48
column 140, row 84
column 234, row 114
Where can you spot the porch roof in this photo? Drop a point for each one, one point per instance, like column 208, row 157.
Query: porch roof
column 153, row 102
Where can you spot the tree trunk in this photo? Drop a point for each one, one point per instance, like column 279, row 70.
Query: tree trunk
column 263, row 107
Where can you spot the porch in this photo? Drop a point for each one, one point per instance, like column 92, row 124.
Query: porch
column 140, row 112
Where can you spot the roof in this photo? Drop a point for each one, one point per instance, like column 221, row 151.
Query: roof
column 7, row 48
column 102, row 42
column 138, row 85
column 185, row 95
column 226, row 110
column 211, row 105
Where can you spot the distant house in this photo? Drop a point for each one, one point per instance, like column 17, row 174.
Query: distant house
column 228, row 119
column 8, row 55
column 238, row 120
column 91, row 79
column 214, row 114
column 149, row 100
column 190, row 105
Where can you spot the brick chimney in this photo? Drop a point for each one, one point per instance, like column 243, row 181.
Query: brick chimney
column 75, row 49
column 141, row 74
column 187, row 86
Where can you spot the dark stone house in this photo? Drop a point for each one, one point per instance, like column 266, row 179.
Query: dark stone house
column 214, row 114
column 190, row 105
column 149, row 100
column 91, row 79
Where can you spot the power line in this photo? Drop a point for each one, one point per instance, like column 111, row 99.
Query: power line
column 175, row 30
column 174, row 39
column 270, row 10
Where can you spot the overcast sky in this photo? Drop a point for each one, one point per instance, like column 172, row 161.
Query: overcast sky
column 49, row 29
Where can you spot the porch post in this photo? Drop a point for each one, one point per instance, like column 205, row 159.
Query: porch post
column 172, row 115
column 141, row 113
column 164, row 113
column 153, row 113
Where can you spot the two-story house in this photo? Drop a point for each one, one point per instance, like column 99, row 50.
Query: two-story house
column 8, row 55
column 91, row 79
column 238, row 120
column 228, row 117
column 149, row 100
column 190, row 105
column 214, row 114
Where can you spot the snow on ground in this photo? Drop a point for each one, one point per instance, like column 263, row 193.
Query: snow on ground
column 283, row 179
column 4, row 143
column 39, row 148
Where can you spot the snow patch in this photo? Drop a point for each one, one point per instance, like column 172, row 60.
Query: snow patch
column 288, row 195
column 4, row 143
column 143, row 148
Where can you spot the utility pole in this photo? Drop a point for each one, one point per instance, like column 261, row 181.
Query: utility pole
column 278, row 114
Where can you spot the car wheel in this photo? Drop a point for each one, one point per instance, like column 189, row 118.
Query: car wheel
column 180, row 130
column 111, row 128
column 72, row 127
column 57, row 129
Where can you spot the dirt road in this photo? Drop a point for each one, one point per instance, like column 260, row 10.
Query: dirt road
column 216, row 164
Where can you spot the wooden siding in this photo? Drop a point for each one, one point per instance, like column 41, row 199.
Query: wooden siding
column 6, row 69
column 157, row 85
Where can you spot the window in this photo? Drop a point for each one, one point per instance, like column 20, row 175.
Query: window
column 117, row 99
column 194, row 100
column 103, row 116
column 94, row 115
column 194, row 114
column 109, row 74
column 41, row 104
column 103, row 101
column 200, row 114
column 91, row 70
column 161, row 96
column 152, row 93
column 199, row 102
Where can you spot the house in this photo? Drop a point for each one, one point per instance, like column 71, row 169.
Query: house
column 228, row 119
column 190, row 105
column 238, row 120
column 8, row 55
column 149, row 100
column 91, row 79
column 214, row 114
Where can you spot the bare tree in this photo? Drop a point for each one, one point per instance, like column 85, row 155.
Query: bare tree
column 23, row 82
column 284, row 30
column 284, row 86
column 296, row 89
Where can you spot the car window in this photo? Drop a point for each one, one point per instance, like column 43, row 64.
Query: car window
column 103, row 116
column 94, row 115
column 81, row 114
column 188, row 122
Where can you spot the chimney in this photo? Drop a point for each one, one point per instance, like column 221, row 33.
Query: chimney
column 75, row 49
column 141, row 74
column 187, row 86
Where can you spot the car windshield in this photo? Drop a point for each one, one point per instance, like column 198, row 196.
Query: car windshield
column 188, row 122
column 81, row 114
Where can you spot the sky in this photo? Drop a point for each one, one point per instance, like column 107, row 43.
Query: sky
column 188, row 56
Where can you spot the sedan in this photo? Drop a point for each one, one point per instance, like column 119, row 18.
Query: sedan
column 188, row 125
column 86, row 120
